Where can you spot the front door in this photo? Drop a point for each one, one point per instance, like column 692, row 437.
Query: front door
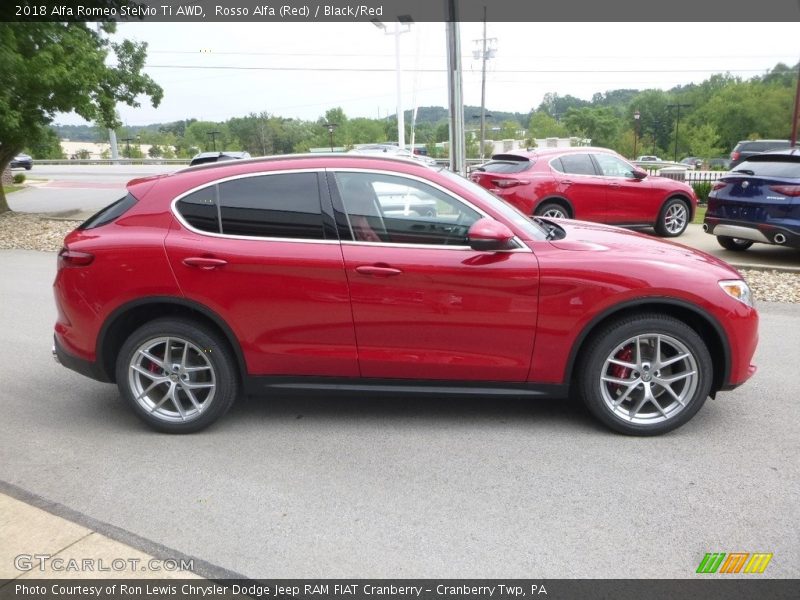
column 425, row 305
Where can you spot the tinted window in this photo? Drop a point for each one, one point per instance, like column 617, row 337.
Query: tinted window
column 506, row 166
column 777, row 167
column 109, row 213
column 199, row 209
column 284, row 205
column 579, row 164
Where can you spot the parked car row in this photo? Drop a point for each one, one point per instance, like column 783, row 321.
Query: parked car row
column 290, row 272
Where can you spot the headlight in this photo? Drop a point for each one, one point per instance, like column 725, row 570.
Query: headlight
column 737, row 289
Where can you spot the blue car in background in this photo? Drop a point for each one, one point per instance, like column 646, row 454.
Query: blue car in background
column 759, row 201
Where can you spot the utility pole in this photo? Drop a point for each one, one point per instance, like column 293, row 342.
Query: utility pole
column 112, row 135
column 484, row 54
column 677, row 124
column 458, row 162
column 213, row 135
column 402, row 26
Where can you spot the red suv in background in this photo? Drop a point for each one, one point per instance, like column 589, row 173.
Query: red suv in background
column 590, row 184
column 295, row 272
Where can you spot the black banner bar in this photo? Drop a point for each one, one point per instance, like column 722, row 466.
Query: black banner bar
column 598, row 11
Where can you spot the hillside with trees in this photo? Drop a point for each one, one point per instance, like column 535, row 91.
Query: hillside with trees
column 714, row 115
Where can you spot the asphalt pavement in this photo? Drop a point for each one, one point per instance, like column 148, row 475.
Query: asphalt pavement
column 354, row 486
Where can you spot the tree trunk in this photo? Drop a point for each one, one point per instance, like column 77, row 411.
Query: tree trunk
column 5, row 160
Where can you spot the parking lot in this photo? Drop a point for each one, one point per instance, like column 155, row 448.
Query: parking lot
column 318, row 486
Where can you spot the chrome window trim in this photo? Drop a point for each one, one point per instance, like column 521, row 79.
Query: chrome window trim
column 176, row 213
column 521, row 247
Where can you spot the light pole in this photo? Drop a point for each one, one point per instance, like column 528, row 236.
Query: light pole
column 677, row 124
column 636, row 116
column 213, row 135
column 331, row 127
column 484, row 55
column 127, row 141
column 402, row 26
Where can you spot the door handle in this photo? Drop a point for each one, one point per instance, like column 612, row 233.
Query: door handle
column 377, row 271
column 566, row 182
column 204, row 262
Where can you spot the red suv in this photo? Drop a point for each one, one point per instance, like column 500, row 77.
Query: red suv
column 290, row 273
column 591, row 184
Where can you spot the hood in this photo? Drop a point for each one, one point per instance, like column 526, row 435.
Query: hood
column 622, row 244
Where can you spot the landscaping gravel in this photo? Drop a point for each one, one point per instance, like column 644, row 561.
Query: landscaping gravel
column 32, row 232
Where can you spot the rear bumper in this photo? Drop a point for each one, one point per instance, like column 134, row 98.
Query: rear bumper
column 764, row 233
column 79, row 365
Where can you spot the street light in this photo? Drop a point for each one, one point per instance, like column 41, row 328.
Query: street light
column 213, row 135
column 677, row 124
column 636, row 117
column 406, row 22
column 331, row 127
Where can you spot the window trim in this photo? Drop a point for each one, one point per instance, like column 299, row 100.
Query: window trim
column 176, row 213
column 521, row 247
column 591, row 160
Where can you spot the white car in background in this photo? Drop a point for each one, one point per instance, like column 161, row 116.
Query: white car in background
column 392, row 150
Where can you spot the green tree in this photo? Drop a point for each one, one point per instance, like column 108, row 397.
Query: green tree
column 47, row 147
column 48, row 68
column 542, row 125
column 601, row 125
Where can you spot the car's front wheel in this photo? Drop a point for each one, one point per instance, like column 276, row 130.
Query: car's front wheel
column 732, row 243
column 645, row 375
column 673, row 218
column 178, row 376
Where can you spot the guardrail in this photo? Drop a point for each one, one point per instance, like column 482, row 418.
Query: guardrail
column 111, row 161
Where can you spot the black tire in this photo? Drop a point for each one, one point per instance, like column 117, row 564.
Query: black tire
column 735, row 244
column 548, row 209
column 641, row 390
column 673, row 219
column 187, row 392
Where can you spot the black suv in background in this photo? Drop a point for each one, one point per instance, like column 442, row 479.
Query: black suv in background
column 747, row 148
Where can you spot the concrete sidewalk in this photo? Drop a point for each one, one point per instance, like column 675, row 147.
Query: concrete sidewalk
column 37, row 544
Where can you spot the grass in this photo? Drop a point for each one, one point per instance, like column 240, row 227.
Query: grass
column 699, row 214
column 7, row 189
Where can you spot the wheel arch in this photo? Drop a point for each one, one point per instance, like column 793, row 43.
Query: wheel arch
column 127, row 318
column 683, row 198
column 706, row 326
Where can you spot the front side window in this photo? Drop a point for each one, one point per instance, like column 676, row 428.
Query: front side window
column 397, row 210
column 611, row 166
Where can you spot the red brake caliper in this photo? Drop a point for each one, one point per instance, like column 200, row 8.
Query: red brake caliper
column 618, row 371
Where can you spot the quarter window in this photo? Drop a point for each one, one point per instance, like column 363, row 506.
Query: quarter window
column 199, row 209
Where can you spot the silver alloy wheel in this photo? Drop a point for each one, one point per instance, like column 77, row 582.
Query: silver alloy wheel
column 172, row 379
column 649, row 378
column 555, row 213
column 676, row 217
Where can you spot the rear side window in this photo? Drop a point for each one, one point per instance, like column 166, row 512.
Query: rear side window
column 285, row 205
column 578, row 164
column 788, row 166
column 506, row 166
column 110, row 213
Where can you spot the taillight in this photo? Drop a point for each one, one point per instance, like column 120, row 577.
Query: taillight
column 507, row 183
column 718, row 185
column 73, row 258
column 786, row 190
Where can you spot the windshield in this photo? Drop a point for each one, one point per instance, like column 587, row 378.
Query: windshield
column 533, row 231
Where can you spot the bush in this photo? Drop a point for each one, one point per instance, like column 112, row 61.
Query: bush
column 19, row 178
column 702, row 189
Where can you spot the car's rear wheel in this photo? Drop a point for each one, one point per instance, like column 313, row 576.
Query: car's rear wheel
column 645, row 375
column 553, row 210
column 178, row 375
column 673, row 218
column 732, row 243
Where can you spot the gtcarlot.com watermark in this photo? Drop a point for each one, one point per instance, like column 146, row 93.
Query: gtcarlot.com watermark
column 57, row 564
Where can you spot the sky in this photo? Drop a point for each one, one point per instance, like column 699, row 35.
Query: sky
column 214, row 71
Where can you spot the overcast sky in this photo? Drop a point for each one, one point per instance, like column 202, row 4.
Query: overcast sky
column 302, row 69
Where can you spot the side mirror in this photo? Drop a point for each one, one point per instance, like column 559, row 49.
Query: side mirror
column 488, row 235
column 639, row 174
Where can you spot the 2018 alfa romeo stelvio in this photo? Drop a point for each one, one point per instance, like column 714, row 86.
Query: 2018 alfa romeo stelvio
column 367, row 274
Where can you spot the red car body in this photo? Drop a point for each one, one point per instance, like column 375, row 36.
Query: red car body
column 339, row 313
column 591, row 184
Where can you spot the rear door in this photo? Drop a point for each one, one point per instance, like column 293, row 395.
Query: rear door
column 260, row 251
column 579, row 182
